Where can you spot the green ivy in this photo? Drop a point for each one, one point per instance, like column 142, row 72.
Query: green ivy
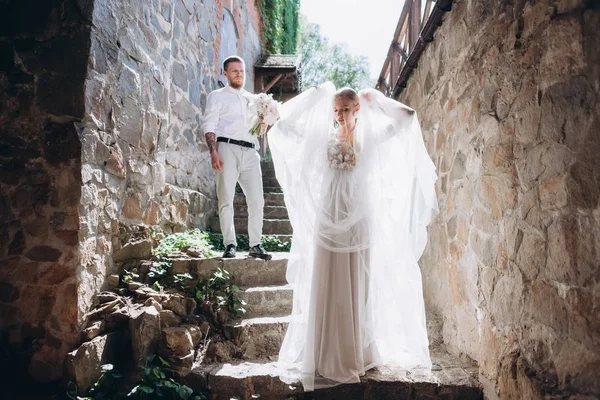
column 270, row 243
column 280, row 25
column 157, row 383
column 221, row 293
column 174, row 243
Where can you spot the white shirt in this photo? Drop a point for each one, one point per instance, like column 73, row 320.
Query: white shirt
column 228, row 114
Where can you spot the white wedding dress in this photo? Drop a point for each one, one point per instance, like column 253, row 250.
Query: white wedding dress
column 359, row 212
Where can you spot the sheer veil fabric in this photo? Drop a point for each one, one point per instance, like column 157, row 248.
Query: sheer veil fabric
column 358, row 235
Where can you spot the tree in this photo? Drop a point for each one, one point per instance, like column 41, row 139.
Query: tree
column 323, row 61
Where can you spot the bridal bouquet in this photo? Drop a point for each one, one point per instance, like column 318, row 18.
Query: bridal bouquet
column 265, row 108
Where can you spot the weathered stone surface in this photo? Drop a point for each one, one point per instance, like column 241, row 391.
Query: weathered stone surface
column 259, row 337
column 246, row 380
column 180, row 305
column 140, row 250
column 522, row 125
column 176, row 341
column 94, row 330
column 144, row 327
column 169, row 319
column 44, row 253
column 83, row 365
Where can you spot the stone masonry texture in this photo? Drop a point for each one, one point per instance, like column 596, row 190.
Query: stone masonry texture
column 101, row 105
column 508, row 95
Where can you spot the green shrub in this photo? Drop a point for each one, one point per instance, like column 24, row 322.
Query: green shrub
column 280, row 25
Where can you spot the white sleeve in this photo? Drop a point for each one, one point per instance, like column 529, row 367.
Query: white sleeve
column 211, row 114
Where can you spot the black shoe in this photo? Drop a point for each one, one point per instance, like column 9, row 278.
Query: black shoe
column 259, row 251
column 229, row 251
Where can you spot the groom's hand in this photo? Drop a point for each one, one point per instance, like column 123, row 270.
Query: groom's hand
column 216, row 161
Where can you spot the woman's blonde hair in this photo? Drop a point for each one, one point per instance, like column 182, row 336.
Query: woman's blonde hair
column 347, row 94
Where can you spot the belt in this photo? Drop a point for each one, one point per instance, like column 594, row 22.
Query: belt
column 233, row 141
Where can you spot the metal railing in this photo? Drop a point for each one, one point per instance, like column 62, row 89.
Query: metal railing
column 418, row 21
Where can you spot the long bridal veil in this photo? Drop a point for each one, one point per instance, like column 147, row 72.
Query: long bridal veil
column 389, row 194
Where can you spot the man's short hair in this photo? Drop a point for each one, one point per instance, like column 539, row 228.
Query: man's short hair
column 231, row 59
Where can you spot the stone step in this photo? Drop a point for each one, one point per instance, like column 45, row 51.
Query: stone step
column 450, row 379
column 273, row 227
column 267, row 166
column 270, row 226
column 267, row 300
column 258, row 337
column 270, row 181
column 271, row 199
column 269, row 173
column 270, row 212
column 245, row 271
column 268, row 189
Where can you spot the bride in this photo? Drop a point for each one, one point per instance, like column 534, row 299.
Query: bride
column 359, row 196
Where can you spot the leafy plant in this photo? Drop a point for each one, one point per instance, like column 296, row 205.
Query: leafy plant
column 130, row 276
column 158, row 270
column 105, row 387
column 174, row 243
column 220, row 293
column 270, row 243
column 157, row 382
column 273, row 243
column 280, row 25
column 180, row 281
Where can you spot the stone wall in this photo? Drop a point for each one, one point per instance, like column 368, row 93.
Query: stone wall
column 100, row 142
column 40, row 182
column 144, row 160
column 509, row 99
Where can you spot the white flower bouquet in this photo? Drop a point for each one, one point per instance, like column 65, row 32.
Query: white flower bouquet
column 264, row 108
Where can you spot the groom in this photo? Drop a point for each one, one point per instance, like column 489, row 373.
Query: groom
column 234, row 157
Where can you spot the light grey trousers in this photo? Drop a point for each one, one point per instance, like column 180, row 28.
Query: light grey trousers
column 240, row 164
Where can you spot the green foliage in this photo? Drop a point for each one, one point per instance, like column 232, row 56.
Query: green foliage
column 220, row 293
column 130, row 276
column 180, row 281
column 323, row 61
column 158, row 270
column 176, row 242
column 270, row 243
column 280, row 25
column 157, row 383
column 105, row 388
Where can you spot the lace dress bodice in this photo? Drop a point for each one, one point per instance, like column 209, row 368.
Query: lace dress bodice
column 340, row 154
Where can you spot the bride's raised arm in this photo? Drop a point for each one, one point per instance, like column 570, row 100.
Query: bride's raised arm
column 386, row 117
column 306, row 112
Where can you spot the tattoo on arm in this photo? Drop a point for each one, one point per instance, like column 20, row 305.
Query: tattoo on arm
column 211, row 141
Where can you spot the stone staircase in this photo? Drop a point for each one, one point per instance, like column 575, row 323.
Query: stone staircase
column 251, row 372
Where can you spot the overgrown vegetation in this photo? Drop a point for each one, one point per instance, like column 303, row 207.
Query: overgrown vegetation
column 280, row 25
column 195, row 239
column 270, row 243
column 218, row 292
column 157, row 382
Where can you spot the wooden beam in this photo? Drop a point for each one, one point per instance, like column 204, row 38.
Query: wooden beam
column 415, row 24
column 427, row 10
column 401, row 51
column 272, row 83
column 396, row 37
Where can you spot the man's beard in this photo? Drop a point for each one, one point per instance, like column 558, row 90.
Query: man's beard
column 236, row 85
